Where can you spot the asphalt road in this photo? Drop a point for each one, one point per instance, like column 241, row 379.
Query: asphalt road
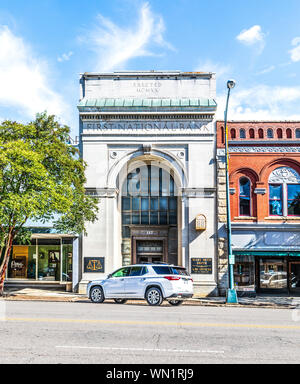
column 39, row 332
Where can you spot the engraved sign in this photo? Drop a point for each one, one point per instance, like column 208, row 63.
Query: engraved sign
column 200, row 223
column 151, row 127
column 94, row 265
column 200, row 266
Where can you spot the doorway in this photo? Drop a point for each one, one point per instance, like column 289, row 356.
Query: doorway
column 294, row 276
column 149, row 251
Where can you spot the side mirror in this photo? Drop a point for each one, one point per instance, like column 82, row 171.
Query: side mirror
column 109, row 276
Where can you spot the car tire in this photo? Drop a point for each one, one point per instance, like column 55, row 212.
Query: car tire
column 97, row 295
column 176, row 303
column 154, row 296
column 120, row 301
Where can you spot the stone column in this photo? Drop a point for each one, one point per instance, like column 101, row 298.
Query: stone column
column 222, row 219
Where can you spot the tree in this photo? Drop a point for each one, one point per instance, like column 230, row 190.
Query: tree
column 41, row 178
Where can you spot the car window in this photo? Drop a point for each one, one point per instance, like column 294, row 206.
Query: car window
column 123, row 272
column 135, row 271
column 163, row 270
column 179, row 271
column 144, row 271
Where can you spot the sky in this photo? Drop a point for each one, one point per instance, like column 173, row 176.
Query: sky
column 46, row 44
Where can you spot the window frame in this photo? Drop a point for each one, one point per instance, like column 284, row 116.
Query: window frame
column 250, row 196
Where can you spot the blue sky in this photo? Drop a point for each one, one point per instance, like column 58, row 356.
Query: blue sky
column 45, row 44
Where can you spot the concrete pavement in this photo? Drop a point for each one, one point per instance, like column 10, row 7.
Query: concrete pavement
column 82, row 332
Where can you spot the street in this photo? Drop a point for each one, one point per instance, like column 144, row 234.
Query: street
column 45, row 332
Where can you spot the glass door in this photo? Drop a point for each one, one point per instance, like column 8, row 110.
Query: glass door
column 294, row 270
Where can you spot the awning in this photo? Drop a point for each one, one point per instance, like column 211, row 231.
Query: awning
column 150, row 104
column 267, row 253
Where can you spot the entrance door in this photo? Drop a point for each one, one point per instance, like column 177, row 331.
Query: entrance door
column 19, row 263
column 294, row 276
column 149, row 251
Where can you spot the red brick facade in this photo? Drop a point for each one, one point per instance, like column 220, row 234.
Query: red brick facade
column 256, row 149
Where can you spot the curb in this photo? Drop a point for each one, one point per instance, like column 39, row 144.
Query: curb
column 196, row 302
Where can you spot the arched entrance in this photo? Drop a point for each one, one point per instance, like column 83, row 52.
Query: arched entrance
column 149, row 210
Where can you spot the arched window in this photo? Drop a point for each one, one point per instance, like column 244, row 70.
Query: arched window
column 245, row 196
column 279, row 133
column 242, row 134
column 251, row 133
column 261, row 133
column 148, row 198
column 288, row 133
column 297, row 133
column 284, row 192
column 222, row 135
column 233, row 133
column 270, row 133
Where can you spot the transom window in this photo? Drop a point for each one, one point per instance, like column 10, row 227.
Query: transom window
column 148, row 198
column 284, row 192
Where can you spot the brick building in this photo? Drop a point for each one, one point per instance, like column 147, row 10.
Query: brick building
column 264, row 170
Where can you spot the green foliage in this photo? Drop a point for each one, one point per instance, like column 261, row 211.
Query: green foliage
column 41, row 178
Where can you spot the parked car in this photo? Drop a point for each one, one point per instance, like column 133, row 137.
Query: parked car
column 152, row 282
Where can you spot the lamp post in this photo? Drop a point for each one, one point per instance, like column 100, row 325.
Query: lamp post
column 231, row 296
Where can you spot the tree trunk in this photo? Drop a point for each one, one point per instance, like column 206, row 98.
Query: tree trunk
column 4, row 264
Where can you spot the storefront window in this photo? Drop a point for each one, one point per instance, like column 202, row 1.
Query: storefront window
column 275, row 201
column 273, row 273
column 244, row 273
column 52, row 266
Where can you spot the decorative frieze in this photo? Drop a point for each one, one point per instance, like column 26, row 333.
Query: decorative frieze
column 264, row 149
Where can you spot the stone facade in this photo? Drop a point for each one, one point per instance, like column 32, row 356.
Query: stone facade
column 128, row 119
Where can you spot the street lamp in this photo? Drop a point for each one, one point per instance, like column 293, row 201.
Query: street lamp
column 231, row 296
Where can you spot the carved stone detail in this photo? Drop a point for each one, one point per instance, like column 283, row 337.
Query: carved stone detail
column 284, row 175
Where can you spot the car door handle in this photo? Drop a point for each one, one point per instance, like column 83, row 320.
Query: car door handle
column 143, row 279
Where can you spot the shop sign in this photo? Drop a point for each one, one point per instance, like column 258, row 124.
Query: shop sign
column 200, row 223
column 201, row 266
column 94, row 265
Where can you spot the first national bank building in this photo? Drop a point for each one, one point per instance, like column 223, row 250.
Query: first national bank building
column 149, row 141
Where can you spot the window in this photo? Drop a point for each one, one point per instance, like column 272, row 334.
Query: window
column 245, row 196
column 288, row 133
column 233, row 133
column 293, row 192
column 284, row 192
column 275, row 200
column 242, row 134
column 251, row 133
column 279, row 133
column 123, row 272
column 297, row 133
column 261, row 133
column 148, row 198
column 163, row 270
column 270, row 134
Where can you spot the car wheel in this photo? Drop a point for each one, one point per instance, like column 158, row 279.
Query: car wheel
column 175, row 303
column 154, row 296
column 97, row 295
column 120, row 301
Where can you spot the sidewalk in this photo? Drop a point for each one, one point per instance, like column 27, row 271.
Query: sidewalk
column 261, row 301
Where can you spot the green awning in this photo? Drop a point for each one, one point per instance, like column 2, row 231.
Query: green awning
column 267, row 253
column 184, row 103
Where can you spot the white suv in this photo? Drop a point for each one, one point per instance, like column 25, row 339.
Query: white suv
column 153, row 282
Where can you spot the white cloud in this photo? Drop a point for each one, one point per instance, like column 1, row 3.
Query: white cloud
column 267, row 70
column 252, row 36
column 65, row 57
column 262, row 103
column 24, row 79
column 295, row 52
column 209, row 66
column 115, row 46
